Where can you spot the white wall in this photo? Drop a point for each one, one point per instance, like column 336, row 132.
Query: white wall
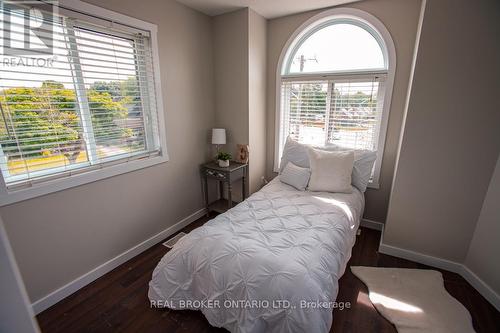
column 61, row 236
column 451, row 137
column 482, row 257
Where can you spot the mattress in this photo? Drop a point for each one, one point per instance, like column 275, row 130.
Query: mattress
column 269, row 264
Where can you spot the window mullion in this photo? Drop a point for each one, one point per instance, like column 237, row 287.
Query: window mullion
column 81, row 94
column 329, row 94
column 151, row 141
column 287, row 111
column 380, row 113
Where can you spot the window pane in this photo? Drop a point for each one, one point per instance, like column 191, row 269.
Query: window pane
column 344, row 113
column 40, row 127
column 90, row 102
column 337, row 47
column 354, row 115
column 305, row 111
column 110, row 77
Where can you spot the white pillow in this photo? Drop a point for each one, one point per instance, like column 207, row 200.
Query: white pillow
column 295, row 176
column 330, row 170
column 294, row 152
column 363, row 165
column 363, row 160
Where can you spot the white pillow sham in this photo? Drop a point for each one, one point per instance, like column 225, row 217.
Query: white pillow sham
column 330, row 170
column 362, row 170
column 363, row 165
column 294, row 152
column 363, row 160
column 295, row 176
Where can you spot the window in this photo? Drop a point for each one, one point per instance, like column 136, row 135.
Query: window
column 335, row 82
column 90, row 108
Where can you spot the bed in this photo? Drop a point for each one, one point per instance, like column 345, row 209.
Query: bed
column 270, row 264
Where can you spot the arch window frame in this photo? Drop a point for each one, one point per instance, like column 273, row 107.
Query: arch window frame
column 320, row 21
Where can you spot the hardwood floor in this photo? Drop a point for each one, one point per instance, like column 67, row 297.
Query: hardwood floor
column 117, row 302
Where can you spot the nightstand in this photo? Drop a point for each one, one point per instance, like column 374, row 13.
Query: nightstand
column 225, row 176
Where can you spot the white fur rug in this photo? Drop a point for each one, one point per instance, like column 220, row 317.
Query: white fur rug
column 414, row 300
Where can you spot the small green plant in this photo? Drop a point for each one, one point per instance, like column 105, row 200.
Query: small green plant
column 223, row 156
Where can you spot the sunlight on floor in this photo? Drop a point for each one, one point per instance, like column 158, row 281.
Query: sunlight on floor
column 388, row 302
column 363, row 299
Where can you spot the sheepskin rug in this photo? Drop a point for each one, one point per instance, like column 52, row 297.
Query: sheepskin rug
column 414, row 300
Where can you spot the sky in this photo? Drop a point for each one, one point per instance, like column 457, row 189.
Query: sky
column 339, row 47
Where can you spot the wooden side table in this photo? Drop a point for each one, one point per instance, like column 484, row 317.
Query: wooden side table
column 226, row 176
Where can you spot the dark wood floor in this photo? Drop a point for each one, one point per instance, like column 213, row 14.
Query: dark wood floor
column 117, row 302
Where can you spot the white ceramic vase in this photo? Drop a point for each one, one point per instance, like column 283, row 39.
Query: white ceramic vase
column 223, row 164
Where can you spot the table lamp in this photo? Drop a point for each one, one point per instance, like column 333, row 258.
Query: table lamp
column 218, row 137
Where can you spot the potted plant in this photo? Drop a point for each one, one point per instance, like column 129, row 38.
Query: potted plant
column 223, row 159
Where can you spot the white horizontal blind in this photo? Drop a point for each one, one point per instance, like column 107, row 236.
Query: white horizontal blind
column 304, row 109
column 94, row 106
column 356, row 113
column 345, row 112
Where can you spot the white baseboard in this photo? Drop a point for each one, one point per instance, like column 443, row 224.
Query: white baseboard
column 481, row 287
column 448, row 265
column 80, row 282
column 370, row 224
column 420, row 258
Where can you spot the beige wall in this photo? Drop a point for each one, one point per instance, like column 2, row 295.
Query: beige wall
column 401, row 19
column 16, row 314
column 230, row 49
column 257, row 39
column 231, row 76
column 240, row 95
column 482, row 257
column 58, row 237
column 451, row 138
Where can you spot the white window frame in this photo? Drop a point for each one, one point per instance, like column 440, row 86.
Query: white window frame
column 371, row 24
column 102, row 17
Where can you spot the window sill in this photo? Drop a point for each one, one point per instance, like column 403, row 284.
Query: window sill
column 56, row 185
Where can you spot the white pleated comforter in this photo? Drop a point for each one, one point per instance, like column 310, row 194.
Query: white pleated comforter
column 264, row 265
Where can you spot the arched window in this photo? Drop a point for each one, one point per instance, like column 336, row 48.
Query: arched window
column 335, row 79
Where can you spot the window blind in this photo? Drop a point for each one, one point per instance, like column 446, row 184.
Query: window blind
column 345, row 112
column 90, row 105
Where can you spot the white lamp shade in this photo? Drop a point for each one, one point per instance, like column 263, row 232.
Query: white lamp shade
column 218, row 136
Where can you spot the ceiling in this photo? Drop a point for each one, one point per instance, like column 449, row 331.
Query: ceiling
column 267, row 8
